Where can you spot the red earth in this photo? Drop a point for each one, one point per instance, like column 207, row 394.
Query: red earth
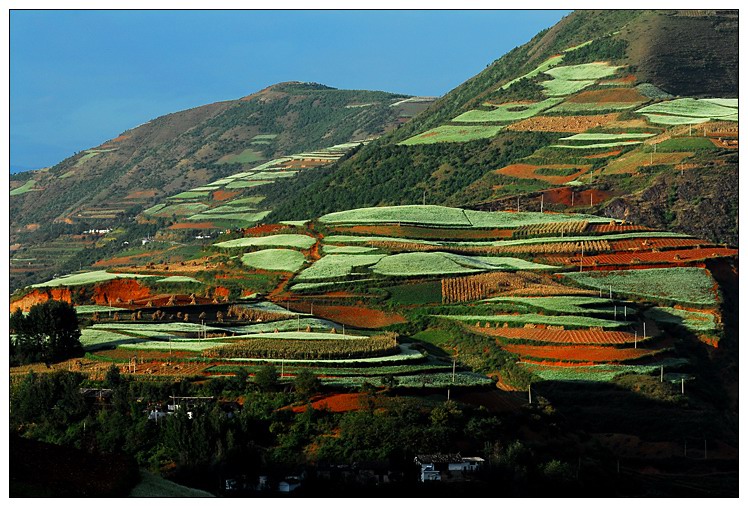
column 346, row 402
column 222, row 195
column 354, row 316
column 584, row 354
column 577, row 336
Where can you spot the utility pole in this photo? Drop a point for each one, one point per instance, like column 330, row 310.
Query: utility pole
column 662, row 373
column 298, row 323
column 517, row 204
column 529, row 393
column 541, row 202
column 682, row 385
column 448, row 394
column 454, row 367
column 572, row 198
column 624, row 313
column 636, row 337
column 645, row 330
column 581, row 259
column 615, row 312
column 590, row 198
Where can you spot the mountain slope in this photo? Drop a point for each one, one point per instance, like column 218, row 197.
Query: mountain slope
column 589, row 73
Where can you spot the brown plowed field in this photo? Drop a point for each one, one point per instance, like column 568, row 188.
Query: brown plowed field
column 528, row 171
column 355, row 316
column 584, row 354
column 615, row 227
column 631, row 162
column 193, row 225
column 142, row 194
column 614, row 95
column 574, row 337
column 222, row 195
column 572, row 124
column 613, row 153
column 667, row 257
column 654, row 243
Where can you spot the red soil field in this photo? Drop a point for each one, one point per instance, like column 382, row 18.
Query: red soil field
column 122, row 289
column 193, row 225
column 346, row 402
column 607, row 154
column 609, row 95
column 667, row 257
column 38, row 296
column 654, row 243
column 222, row 195
column 261, row 230
column 355, row 316
column 527, row 171
column 584, row 354
column 409, row 231
column 575, row 337
column 571, row 124
column 150, row 355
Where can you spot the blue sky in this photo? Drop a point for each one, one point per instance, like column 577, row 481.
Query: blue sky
column 79, row 78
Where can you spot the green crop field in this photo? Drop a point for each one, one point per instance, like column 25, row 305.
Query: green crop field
column 178, row 209
column 26, row 187
column 245, row 157
column 595, row 145
column 191, row 195
column 695, row 321
column 564, row 304
column 332, row 249
column 323, row 286
column 406, row 355
column 420, row 264
column 447, row 217
column 236, row 185
column 694, row 108
column 585, row 71
column 603, row 136
column 678, row 144
column 275, row 260
column 153, row 209
column 507, row 113
column 247, row 218
column 88, row 278
column 284, row 325
column 596, row 373
column 89, row 309
column 416, row 293
column 164, row 329
column 96, row 339
column 172, row 345
column 684, row 285
column 230, row 209
column 178, row 279
column 563, row 87
column 557, row 171
column 663, row 119
column 550, row 62
column 337, row 266
column 568, row 321
column 454, row 134
column 591, row 107
column 502, row 263
column 153, row 486
column 300, row 335
column 279, row 240
column 253, row 200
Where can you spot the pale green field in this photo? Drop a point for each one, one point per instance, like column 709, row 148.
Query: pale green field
column 595, row 145
column 550, row 62
column 278, row 240
column 332, row 249
column 695, row 108
column 684, row 285
column 454, row 134
column 600, row 136
column 568, row 321
column 88, row 278
column 178, row 279
column 585, row 71
column 695, row 321
column 507, row 113
column 337, row 266
column 190, row 195
column 274, row 260
column 562, row 87
column 420, row 264
column 26, row 187
column 663, row 119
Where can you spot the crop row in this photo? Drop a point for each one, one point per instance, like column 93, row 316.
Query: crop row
column 306, row 349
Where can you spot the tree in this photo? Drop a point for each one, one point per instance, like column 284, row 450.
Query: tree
column 266, row 377
column 306, row 383
column 48, row 333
